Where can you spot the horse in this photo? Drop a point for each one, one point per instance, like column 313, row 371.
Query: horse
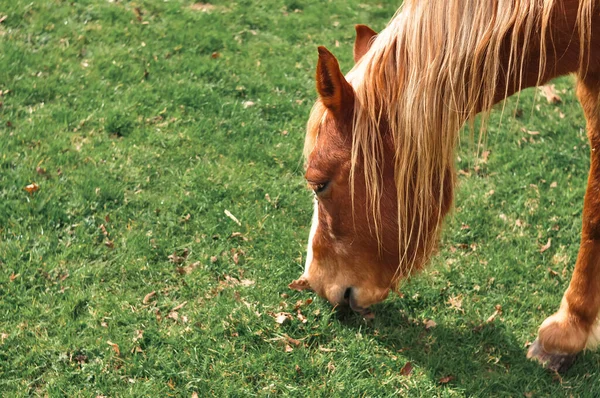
column 380, row 145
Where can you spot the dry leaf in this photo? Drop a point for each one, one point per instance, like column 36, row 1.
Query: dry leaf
column 138, row 13
column 12, row 277
column 194, row 394
column 148, row 297
column 546, row 246
column 178, row 307
column 109, row 243
column 549, row 91
column 293, row 341
column 484, row 156
column 115, row 347
column 3, row 18
column 553, row 185
column 188, row 270
column 552, row 272
column 301, row 317
column 533, row 132
column 204, row 7
column 228, row 214
column 406, row 369
column 456, row 302
column 446, row 379
column 281, row 317
column 430, row 323
column 495, row 314
column 173, row 315
column 31, row 188
column 248, row 104
column 288, row 348
column 215, row 55
column 139, row 334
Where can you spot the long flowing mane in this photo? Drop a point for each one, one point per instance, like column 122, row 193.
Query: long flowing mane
column 436, row 65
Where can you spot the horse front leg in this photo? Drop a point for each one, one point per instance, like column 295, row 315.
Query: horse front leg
column 574, row 327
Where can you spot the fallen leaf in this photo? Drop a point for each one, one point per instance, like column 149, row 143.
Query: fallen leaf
column 446, row 379
column 291, row 340
column 115, row 347
column 484, row 156
column 288, row 348
column 248, row 104
column 139, row 334
column 215, row 55
column 194, row 394
column 204, row 7
column 553, row 185
column 109, row 243
column 138, row 13
column 552, row 272
column 546, row 246
column 173, row 315
column 456, row 302
column 406, row 369
column 31, row 188
column 281, row 317
column 301, row 317
column 148, row 297
column 3, row 18
column 549, row 91
column 176, row 259
column 533, row 132
column 495, row 314
column 188, row 269
column 12, row 277
column 231, row 216
column 180, row 306
column 430, row 323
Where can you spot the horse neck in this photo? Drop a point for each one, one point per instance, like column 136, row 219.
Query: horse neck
column 559, row 53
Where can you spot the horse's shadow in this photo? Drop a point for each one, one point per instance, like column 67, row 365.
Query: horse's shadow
column 480, row 359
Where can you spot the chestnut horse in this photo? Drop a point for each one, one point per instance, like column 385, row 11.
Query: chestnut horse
column 380, row 145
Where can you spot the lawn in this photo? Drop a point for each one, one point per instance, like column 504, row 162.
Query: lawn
column 153, row 211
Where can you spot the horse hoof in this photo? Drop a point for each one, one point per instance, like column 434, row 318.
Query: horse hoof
column 557, row 362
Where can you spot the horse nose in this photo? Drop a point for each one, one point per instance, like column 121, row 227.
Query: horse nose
column 347, row 294
column 350, row 299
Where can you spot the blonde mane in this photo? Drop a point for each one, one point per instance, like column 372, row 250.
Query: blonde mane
column 436, row 65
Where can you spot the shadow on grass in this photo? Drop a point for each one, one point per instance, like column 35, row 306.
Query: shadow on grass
column 479, row 359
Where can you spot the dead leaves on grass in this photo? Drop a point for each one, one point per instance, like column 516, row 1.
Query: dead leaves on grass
column 148, row 297
column 32, row 188
column 549, row 92
column 406, row 369
column 546, row 246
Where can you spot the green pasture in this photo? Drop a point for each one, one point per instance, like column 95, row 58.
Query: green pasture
column 164, row 139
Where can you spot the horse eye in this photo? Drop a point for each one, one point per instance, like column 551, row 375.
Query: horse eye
column 318, row 188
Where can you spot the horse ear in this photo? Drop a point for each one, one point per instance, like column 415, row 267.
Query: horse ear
column 334, row 90
column 364, row 39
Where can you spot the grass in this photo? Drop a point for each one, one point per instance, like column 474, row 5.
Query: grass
column 142, row 123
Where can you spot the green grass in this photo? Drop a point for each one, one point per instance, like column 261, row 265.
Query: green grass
column 142, row 127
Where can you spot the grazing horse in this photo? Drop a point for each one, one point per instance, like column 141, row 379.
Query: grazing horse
column 380, row 144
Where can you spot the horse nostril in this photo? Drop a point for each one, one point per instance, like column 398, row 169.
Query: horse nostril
column 347, row 294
